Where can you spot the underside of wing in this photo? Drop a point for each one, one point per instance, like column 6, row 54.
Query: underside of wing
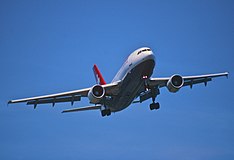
column 71, row 96
column 173, row 84
column 54, row 98
column 187, row 80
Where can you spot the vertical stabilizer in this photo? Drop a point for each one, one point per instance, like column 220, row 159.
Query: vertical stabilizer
column 98, row 76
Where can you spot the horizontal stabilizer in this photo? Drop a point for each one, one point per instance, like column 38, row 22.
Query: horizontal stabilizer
column 82, row 109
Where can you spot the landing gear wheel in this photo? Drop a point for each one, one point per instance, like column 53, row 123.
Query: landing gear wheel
column 103, row 112
column 106, row 112
column 154, row 106
column 157, row 105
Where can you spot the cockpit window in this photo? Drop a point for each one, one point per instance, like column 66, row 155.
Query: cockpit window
column 143, row 51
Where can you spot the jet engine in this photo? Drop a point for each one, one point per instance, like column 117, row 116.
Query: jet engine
column 175, row 83
column 96, row 93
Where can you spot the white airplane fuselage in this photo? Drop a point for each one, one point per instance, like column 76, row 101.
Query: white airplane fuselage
column 137, row 68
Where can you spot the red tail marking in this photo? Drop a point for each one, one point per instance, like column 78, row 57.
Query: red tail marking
column 98, row 76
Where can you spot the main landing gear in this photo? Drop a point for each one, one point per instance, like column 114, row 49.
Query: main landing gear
column 154, row 106
column 106, row 112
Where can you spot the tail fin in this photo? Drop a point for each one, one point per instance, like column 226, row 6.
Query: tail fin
column 98, row 76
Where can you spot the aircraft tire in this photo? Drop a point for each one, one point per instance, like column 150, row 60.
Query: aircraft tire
column 154, row 106
column 157, row 105
column 103, row 112
column 106, row 112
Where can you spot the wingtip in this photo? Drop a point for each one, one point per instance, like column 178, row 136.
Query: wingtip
column 9, row 102
column 227, row 74
column 64, row 111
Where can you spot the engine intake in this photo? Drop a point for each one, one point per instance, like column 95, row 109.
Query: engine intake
column 96, row 93
column 175, row 83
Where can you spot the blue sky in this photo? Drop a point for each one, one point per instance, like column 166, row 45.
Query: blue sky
column 51, row 46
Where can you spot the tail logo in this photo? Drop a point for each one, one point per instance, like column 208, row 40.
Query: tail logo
column 98, row 76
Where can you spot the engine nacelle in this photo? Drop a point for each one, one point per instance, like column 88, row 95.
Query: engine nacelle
column 96, row 93
column 175, row 83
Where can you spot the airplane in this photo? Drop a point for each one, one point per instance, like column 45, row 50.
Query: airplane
column 132, row 84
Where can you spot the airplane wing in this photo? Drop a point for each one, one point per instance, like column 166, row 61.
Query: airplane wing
column 155, row 83
column 188, row 80
column 70, row 96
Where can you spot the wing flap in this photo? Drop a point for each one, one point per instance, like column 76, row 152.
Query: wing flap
column 196, row 81
column 55, row 100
